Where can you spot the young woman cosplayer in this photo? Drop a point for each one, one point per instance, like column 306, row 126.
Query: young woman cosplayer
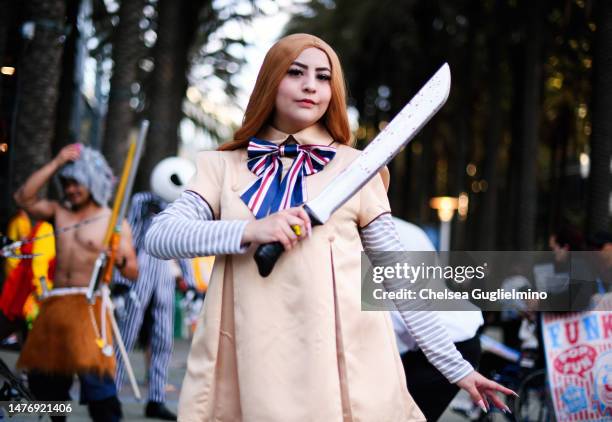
column 294, row 346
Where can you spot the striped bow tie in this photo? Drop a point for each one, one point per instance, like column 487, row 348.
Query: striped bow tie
column 269, row 193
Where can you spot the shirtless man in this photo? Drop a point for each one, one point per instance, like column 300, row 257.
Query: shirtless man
column 70, row 335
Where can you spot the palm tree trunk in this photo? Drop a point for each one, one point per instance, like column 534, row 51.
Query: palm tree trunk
column 487, row 232
column 558, row 167
column 464, row 132
column 509, row 214
column 528, row 186
column 68, row 88
column 178, row 21
column 5, row 6
column 127, row 49
column 598, row 213
column 7, row 25
column 38, row 88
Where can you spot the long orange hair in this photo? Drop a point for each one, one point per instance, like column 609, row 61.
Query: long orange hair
column 273, row 70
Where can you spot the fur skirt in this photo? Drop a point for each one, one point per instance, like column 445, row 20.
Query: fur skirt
column 64, row 340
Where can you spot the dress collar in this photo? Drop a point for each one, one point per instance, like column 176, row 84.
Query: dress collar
column 312, row 135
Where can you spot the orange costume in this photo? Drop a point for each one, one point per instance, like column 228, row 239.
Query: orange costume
column 22, row 288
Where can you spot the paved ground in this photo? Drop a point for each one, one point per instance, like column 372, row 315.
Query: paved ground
column 133, row 410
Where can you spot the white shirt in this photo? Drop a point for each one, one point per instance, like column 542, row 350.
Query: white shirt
column 460, row 325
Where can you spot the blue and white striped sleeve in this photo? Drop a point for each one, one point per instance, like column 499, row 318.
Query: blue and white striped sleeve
column 186, row 229
column 425, row 327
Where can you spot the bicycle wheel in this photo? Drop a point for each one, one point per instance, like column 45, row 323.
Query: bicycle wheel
column 534, row 404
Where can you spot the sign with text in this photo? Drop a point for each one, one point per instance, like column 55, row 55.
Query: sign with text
column 578, row 348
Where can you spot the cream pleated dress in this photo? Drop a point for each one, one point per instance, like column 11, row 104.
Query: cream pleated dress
column 295, row 346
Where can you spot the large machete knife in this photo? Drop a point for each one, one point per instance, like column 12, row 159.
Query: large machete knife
column 395, row 136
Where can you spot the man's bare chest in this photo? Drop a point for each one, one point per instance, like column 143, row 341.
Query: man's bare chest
column 87, row 233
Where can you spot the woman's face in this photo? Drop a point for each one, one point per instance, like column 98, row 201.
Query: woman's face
column 304, row 93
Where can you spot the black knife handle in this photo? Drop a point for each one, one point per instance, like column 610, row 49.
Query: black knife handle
column 267, row 254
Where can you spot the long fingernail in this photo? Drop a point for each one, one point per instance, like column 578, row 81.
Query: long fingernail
column 507, row 409
column 482, row 406
column 515, row 395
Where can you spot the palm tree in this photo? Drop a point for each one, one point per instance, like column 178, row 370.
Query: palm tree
column 69, row 90
column 8, row 24
column 532, row 76
column 184, row 28
column 487, row 230
column 38, row 90
column 5, row 16
column 127, row 50
column 598, row 217
column 177, row 23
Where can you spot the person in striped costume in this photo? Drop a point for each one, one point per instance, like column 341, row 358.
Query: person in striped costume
column 155, row 287
column 294, row 346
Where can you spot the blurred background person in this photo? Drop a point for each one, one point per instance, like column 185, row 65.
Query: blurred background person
column 24, row 276
column 156, row 284
column 70, row 335
column 428, row 386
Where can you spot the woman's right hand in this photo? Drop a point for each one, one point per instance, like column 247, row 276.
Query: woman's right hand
column 277, row 228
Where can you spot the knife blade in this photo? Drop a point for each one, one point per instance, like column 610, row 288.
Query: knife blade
column 395, row 136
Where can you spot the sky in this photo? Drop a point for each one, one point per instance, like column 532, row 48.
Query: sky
column 264, row 32
column 260, row 33
column 205, row 95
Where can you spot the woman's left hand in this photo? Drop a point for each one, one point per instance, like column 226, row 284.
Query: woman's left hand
column 482, row 389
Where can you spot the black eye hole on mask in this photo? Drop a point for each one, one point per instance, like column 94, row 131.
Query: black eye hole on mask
column 176, row 179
